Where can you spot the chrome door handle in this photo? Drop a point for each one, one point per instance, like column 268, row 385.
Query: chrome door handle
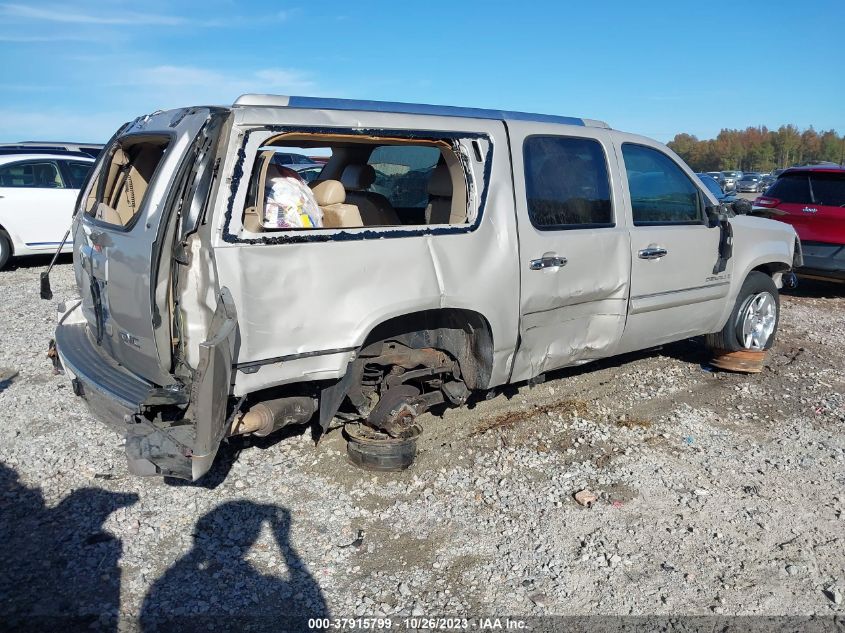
column 547, row 262
column 653, row 252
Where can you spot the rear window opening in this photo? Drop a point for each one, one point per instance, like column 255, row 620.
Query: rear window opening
column 319, row 181
column 821, row 188
column 117, row 193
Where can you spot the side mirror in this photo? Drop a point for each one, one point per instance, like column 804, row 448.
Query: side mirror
column 741, row 206
column 714, row 215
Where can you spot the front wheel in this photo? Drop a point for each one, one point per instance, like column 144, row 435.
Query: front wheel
column 753, row 322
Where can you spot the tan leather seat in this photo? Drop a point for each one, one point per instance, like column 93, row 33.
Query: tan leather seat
column 375, row 209
column 439, row 209
column 330, row 196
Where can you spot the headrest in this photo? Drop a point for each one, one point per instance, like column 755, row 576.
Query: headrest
column 328, row 192
column 440, row 182
column 357, row 177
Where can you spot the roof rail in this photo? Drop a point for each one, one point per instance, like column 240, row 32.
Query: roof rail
column 321, row 103
column 40, row 151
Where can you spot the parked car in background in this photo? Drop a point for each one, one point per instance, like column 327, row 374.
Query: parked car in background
column 37, row 195
column 541, row 242
column 718, row 177
column 750, row 183
column 767, row 181
column 812, row 199
column 309, row 173
column 89, row 149
column 293, row 160
column 713, row 187
column 730, row 179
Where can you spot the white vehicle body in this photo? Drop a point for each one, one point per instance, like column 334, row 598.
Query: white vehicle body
column 546, row 242
column 37, row 198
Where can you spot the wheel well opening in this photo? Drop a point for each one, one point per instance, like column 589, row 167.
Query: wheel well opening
column 464, row 334
column 772, row 268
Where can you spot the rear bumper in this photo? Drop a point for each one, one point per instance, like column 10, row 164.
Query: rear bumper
column 125, row 403
column 823, row 260
column 112, row 393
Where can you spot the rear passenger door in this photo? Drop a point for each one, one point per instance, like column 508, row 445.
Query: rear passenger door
column 675, row 291
column 574, row 257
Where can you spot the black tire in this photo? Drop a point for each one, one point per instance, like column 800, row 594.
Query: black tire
column 5, row 249
column 729, row 339
column 371, row 450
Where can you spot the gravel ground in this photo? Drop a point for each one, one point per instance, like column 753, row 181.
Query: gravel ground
column 717, row 493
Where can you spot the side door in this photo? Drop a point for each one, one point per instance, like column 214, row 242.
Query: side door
column 36, row 205
column 574, row 255
column 676, row 290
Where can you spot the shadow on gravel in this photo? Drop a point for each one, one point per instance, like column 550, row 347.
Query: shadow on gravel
column 59, row 568
column 37, row 261
column 214, row 584
column 228, row 454
column 690, row 351
column 816, row 289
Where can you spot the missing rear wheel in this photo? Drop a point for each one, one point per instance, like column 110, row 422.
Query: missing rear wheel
column 371, row 449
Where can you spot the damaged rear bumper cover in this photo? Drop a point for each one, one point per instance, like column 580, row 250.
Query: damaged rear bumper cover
column 120, row 399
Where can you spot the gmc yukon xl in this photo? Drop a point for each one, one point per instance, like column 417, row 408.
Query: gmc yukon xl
column 440, row 251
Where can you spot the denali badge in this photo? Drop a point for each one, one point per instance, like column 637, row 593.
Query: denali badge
column 809, row 210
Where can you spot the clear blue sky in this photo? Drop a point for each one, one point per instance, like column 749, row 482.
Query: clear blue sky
column 76, row 70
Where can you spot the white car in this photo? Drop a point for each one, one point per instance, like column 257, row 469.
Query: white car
column 37, row 196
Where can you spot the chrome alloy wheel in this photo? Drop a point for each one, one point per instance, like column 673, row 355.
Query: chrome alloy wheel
column 757, row 321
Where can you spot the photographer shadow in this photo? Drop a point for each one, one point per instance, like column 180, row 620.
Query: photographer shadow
column 215, row 584
column 60, row 569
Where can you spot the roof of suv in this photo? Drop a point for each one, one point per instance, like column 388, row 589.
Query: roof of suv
column 14, row 158
column 833, row 169
column 320, row 103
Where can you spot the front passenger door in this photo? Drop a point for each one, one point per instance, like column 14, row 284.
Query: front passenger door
column 675, row 292
column 37, row 201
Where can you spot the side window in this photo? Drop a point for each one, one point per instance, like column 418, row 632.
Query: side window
column 566, row 183
column 32, row 174
column 403, row 173
column 661, row 193
column 405, row 183
column 828, row 189
column 77, row 173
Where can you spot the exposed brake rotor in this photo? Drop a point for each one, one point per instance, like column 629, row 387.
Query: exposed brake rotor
column 394, row 414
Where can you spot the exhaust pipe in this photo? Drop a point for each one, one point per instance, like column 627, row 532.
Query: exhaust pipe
column 271, row 415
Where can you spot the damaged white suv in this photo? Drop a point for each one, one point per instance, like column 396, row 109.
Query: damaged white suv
column 445, row 250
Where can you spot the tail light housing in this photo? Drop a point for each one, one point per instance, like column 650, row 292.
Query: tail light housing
column 768, row 203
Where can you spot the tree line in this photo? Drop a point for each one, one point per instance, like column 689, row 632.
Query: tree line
column 760, row 149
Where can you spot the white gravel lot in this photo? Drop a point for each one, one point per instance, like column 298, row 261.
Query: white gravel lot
column 718, row 494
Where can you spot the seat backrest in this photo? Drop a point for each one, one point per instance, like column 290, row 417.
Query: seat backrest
column 331, row 196
column 46, row 175
column 439, row 209
column 375, row 209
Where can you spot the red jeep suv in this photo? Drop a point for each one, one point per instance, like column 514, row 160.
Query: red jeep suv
column 812, row 200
